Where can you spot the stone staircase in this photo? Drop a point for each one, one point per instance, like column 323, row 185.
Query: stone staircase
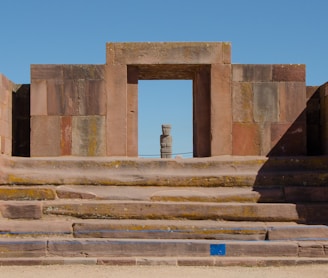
column 206, row 211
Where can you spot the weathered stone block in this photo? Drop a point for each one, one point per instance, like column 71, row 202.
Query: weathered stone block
column 87, row 72
column 265, row 102
column 162, row 210
column 292, row 100
column 310, row 249
column 29, row 193
column 288, row 139
column 116, row 261
column 73, row 100
column 55, row 97
column 46, row 72
column 242, row 102
column 45, row 136
column 288, row 73
column 299, row 232
column 252, row 73
column 88, row 136
column 117, row 99
column 95, row 102
column 21, row 210
column 39, row 98
column 36, row 228
column 22, row 248
column 166, row 53
column 246, row 139
column 221, row 110
column 269, row 249
column 66, row 135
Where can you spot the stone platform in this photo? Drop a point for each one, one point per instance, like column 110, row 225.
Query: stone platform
column 208, row 211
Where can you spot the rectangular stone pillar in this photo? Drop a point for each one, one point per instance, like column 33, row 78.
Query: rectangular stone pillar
column 221, row 110
column 6, row 90
column 116, row 122
column 132, row 111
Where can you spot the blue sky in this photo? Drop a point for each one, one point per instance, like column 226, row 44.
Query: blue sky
column 75, row 32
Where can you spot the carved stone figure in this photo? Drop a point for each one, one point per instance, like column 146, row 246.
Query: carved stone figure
column 166, row 141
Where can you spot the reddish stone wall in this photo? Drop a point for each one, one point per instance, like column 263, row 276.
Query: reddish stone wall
column 68, row 108
column 6, row 90
column 237, row 109
column 268, row 104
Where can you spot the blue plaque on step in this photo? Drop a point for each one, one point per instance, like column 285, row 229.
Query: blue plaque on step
column 217, row 249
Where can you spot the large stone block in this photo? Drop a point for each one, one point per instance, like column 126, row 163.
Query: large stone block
column 27, row 193
column 288, row 139
column 288, row 73
column 120, row 248
column 298, row 232
column 292, row 100
column 242, row 102
column 45, row 136
column 221, row 110
column 39, row 98
column 246, row 139
column 269, row 249
column 46, row 72
column 88, row 72
column 72, row 102
column 252, row 73
column 226, row 50
column 265, row 102
column 88, row 136
column 66, row 135
column 117, row 99
column 167, row 53
column 56, row 101
column 22, row 248
column 21, row 210
column 310, row 249
column 95, row 99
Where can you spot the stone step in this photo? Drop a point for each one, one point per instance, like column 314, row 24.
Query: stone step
column 269, row 194
column 163, row 229
column 205, row 172
column 62, row 247
column 302, row 213
column 106, row 209
column 212, row 261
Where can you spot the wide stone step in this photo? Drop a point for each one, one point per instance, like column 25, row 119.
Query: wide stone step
column 212, row 261
column 206, row 172
column 106, row 209
column 162, row 229
column 58, row 247
column 268, row 194
column 303, row 213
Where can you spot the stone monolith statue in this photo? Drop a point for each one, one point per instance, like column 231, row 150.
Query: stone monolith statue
column 166, row 141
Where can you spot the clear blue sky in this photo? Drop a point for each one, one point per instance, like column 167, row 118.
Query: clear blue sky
column 75, row 32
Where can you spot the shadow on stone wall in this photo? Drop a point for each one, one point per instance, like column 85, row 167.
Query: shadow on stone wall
column 21, row 121
column 299, row 178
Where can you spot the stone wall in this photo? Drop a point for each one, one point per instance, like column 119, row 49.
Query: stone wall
column 6, row 90
column 68, row 108
column 92, row 110
column 324, row 117
column 268, row 106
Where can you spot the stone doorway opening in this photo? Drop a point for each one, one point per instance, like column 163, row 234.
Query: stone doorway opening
column 200, row 76
column 165, row 102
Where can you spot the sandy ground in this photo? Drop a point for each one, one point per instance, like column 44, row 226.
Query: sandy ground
column 82, row 271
